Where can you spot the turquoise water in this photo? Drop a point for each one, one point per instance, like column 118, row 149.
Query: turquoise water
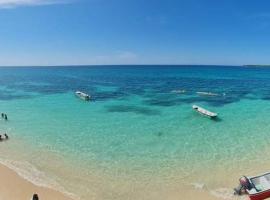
column 136, row 131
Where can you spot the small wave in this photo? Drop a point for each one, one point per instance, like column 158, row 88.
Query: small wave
column 207, row 94
column 30, row 173
column 220, row 193
column 178, row 91
column 198, row 186
column 226, row 194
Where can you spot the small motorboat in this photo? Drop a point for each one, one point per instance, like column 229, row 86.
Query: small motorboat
column 82, row 95
column 256, row 187
column 207, row 94
column 204, row 111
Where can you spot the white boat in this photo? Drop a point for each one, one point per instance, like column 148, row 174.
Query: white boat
column 204, row 111
column 207, row 94
column 82, row 95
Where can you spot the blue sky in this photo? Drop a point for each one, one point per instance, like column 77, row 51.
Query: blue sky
column 62, row 32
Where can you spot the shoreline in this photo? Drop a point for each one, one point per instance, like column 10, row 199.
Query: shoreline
column 15, row 187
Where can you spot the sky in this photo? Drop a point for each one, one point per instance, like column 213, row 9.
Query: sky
column 97, row 32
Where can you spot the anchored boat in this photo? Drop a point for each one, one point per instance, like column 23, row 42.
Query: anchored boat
column 256, row 187
column 82, row 95
column 204, row 111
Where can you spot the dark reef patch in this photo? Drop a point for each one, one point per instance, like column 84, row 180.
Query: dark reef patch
column 133, row 109
column 152, row 83
column 159, row 134
column 6, row 97
column 162, row 102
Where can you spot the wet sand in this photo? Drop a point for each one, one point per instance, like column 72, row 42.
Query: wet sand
column 14, row 187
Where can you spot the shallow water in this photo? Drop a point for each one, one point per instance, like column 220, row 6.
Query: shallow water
column 135, row 134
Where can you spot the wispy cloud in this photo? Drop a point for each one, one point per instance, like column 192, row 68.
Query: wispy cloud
column 17, row 3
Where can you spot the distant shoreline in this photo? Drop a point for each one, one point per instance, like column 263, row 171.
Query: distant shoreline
column 121, row 65
column 256, row 65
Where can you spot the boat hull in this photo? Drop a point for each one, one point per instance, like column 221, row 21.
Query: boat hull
column 211, row 117
column 83, row 96
column 258, row 187
column 260, row 196
column 204, row 112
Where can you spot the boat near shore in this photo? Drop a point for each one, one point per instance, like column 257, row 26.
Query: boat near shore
column 256, row 187
column 82, row 95
column 204, row 111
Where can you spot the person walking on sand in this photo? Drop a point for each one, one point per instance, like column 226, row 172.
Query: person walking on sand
column 35, row 197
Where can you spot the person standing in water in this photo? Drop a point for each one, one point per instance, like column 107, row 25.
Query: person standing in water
column 35, row 197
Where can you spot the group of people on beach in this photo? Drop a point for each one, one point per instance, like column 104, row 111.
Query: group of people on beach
column 4, row 116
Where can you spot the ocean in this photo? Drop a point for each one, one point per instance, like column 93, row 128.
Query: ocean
column 138, row 137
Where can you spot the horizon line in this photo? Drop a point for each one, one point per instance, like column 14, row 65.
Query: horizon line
column 150, row 65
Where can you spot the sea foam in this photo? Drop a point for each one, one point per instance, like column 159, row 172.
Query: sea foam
column 30, row 173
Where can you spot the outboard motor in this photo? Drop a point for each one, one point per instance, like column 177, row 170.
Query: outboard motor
column 243, row 186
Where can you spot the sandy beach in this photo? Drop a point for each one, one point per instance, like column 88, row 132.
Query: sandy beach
column 14, row 187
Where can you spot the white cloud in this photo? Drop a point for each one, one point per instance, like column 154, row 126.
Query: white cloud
column 16, row 3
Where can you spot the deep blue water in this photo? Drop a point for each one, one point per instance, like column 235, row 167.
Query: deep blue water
column 152, row 82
